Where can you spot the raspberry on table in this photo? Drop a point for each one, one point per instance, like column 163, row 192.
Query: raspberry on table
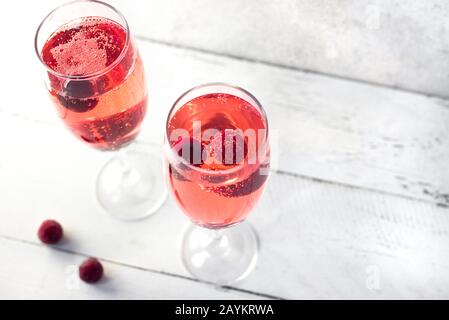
column 50, row 232
column 91, row 270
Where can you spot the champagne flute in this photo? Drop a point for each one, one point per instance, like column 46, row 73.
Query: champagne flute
column 95, row 77
column 217, row 163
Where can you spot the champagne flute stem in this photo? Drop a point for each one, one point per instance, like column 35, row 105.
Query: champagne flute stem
column 130, row 176
column 124, row 161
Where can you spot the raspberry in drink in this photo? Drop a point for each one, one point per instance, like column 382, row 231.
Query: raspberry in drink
column 219, row 178
column 97, row 83
column 95, row 77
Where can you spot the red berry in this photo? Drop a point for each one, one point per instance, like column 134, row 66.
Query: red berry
column 91, row 270
column 50, row 232
column 191, row 150
column 245, row 187
column 78, row 89
column 228, row 147
column 78, row 105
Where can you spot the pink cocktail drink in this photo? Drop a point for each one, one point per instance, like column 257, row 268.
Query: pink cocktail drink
column 95, row 78
column 223, row 158
column 107, row 109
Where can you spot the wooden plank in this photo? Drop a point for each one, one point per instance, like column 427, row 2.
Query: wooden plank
column 396, row 43
column 319, row 240
column 53, row 275
column 327, row 128
column 331, row 129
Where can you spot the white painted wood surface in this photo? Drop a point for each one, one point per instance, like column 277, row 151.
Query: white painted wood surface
column 359, row 190
column 34, row 271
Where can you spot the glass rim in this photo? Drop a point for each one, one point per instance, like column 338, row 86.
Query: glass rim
column 90, row 75
column 205, row 85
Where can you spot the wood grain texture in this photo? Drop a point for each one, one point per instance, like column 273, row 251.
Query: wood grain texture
column 395, row 43
column 331, row 129
column 54, row 275
column 318, row 240
column 351, row 160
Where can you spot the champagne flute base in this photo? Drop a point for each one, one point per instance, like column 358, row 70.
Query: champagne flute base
column 221, row 256
column 131, row 185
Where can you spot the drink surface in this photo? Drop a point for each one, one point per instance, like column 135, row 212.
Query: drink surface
column 221, row 187
column 98, row 84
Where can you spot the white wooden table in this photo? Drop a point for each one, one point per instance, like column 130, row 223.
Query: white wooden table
column 356, row 207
